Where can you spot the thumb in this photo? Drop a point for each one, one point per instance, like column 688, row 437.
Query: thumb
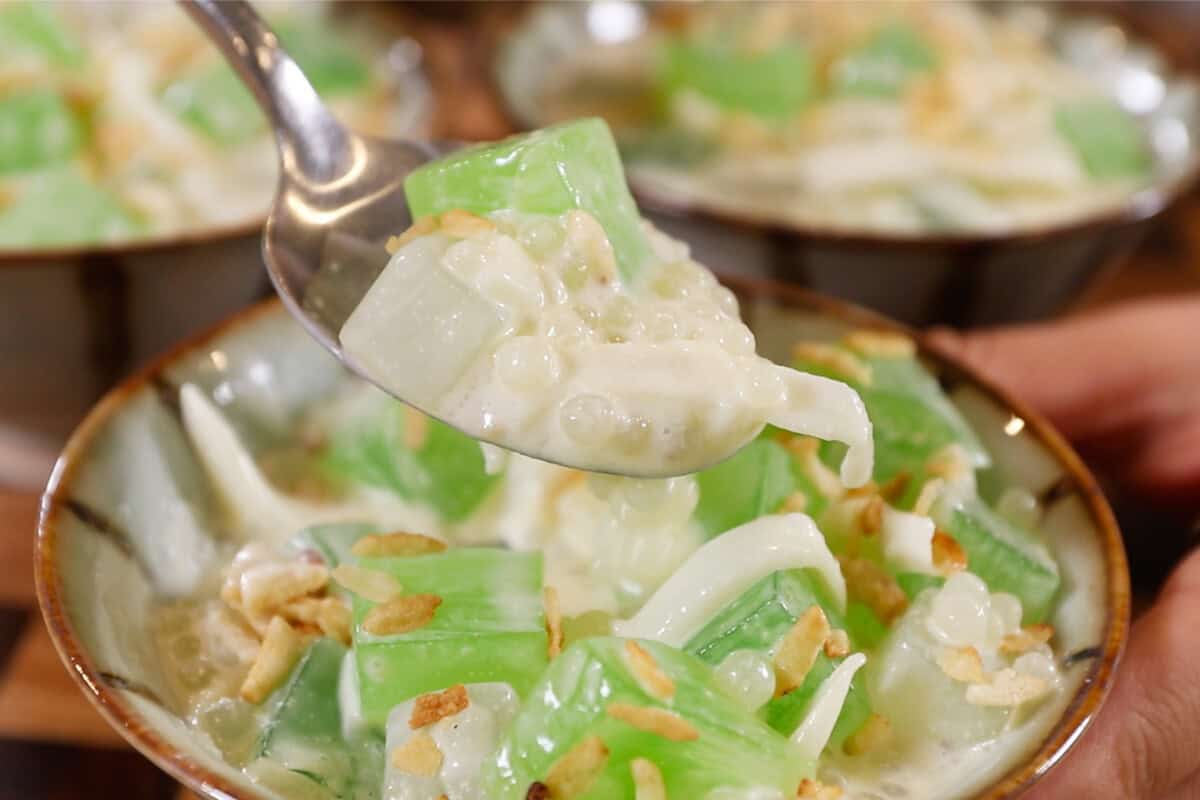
column 1143, row 743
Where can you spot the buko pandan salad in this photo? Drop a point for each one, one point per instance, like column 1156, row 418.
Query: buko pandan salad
column 879, row 117
column 120, row 121
column 402, row 617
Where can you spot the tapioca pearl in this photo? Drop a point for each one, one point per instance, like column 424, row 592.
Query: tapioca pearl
column 1019, row 506
column 1007, row 609
column 466, row 258
column 675, row 280
column 588, row 315
column 634, row 436
column 588, row 419
column 564, row 326
column 587, row 239
column 1039, row 664
column 960, row 612
column 726, row 301
column 527, row 363
column 618, row 315
column 661, row 325
column 542, row 238
column 748, row 677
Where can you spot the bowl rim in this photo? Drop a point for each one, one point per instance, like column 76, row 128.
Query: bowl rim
column 1140, row 206
column 1074, row 720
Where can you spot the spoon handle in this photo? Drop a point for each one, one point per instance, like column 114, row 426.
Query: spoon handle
column 309, row 138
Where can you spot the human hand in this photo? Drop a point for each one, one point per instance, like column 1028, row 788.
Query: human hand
column 1124, row 385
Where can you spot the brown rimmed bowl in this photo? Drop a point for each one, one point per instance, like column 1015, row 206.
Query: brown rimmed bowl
column 128, row 517
column 962, row 279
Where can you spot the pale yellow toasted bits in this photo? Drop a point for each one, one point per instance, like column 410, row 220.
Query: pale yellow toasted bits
column 266, row 588
column 463, row 224
column 429, row 708
column 949, row 556
column 647, row 671
column 815, row 790
column 400, row 543
column 401, row 614
column 1026, row 639
column 280, row 650
column 799, row 649
column 951, row 462
column 420, row 756
column 554, row 622
column 895, row 487
column 871, row 584
column 868, row 489
column 328, row 615
column 841, row 362
column 794, row 503
column 416, row 429
column 837, row 645
column 574, row 773
column 420, row 227
column 870, row 516
column 874, row 735
column 962, row 664
column 1006, row 688
column 658, row 721
column 881, row 344
column 369, row 584
column 929, row 495
column 647, row 780
column 807, row 452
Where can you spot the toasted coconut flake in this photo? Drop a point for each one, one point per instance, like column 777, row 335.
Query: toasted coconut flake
column 881, row 344
column 868, row 489
column 419, row 755
column 647, row 780
column 794, row 503
column 962, row 664
column 421, row 227
column 1026, row 639
column 329, row 615
column 949, row 556
column 554, row 626
column 799, row 649
column 416, row 428
column 537, row 791
column 268, row 587
column 400, row 543
column 929, row 495
column 875, row 734
column 463, row 224
column 837, row 645
column 841, row 362
column 807, row 451
column 369, row 584
column 401, row 614
column 429, row 708
column 574, row 773
column 869, row 583
column 658, row 721
column 895, row 488
column 870, row 516
column 647, row 671
column 951, row 462
column 815, row 790
column 281, row 648
column 1007, row 688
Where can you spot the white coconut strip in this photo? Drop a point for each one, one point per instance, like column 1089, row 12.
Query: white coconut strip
column 830, row 410
column 354, row 723
column 908, row 541
column 724, row 567
column 814, row 732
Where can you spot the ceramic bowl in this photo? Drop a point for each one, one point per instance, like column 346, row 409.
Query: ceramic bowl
column 128, row 497
column 967, row 279
column 73, row 321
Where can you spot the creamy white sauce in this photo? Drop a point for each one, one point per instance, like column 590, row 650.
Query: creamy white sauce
column 535, row 343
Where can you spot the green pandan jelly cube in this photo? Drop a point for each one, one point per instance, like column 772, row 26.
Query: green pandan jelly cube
column 572, row 702
column 62, row 207
column 865, row 627
column 884, row 64
column 1106, row 138
column 774, row 84
column 490, row 626
column 551, row 171
column 753, row 482
column 758, row 620
column 1007, row 558
column 216, row 103
column 328, row 60
column 911, row 415
column 37, row 129
column 332, row 541
column 35, row 28
column 303, row 732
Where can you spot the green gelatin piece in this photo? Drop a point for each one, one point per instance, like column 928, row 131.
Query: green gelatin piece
column 774, row 84
column 333, row 541
column 35, row 28
column 37, row 129
column 913, row 583
column 865, row 627
column 490, row 627
column 1107, row 139
column 328, row 60
column 216, row 103
column 884, row 64
column 61, row 208
column 753, row 482
column 734, row 748
column 758, row 620
column 1007, row 558
column 911, row 416
column 551, row 171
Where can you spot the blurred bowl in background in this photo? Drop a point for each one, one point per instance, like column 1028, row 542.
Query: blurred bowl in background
column 74, row 320
column 962, row 278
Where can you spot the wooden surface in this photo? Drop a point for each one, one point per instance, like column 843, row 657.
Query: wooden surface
column 54, row 745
